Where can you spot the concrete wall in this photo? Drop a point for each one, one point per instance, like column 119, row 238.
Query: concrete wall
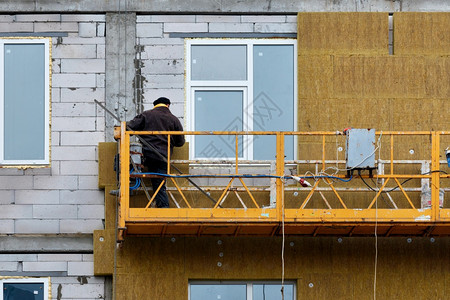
column 222, row 6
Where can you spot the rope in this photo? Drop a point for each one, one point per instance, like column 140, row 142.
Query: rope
column 282, row 247
column 376, row 228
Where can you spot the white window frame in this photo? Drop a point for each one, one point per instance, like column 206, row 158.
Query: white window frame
column 246, row 119
column 249, row 285
column 44, row 280
column 47, row 74
column 192, row 85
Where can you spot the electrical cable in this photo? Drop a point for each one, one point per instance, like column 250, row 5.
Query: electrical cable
column 376, row 232
column 137, row 184
column 239, row 176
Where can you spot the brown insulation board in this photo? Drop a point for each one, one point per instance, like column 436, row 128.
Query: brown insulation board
column 106, row 173
column 437, row 76
column 380, row 77
column 421, row 33
column 321, row 267
column 104, row 243
column 349, row 33
column 338, row 114
column 315, row 76
column 110, row 207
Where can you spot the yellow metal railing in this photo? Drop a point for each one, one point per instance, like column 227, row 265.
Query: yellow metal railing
column 330, row 199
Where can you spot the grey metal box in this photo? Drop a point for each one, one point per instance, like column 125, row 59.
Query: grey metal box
column 360, row 149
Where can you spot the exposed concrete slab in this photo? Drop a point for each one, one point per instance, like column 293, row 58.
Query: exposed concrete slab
column 221, row 6
column 120, row 54
column 46, row 244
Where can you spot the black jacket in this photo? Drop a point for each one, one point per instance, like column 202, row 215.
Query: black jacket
column 158, row 119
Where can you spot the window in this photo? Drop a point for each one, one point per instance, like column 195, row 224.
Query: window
column 229, row 290
column 24, row 101
column 241, row 85
column 24, row 289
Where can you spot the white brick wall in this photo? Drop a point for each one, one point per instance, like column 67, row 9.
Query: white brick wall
column 18, row 257
column 83, row 18
column 16, row 27
column 185, row 27
column 38, row 18
column 16, row 183
column 93, row 197
column 55, row 26
column 81, row 138
column 80, row 226
column 7, row 226
column 85, row 291
column 88, row 153
column 217, row 19
column 8, row 266
column 37, row 197
column 6, row 197
column 79, row 168
column 82, row 65
column 76, row 124
column 80, row 268
column 54, row 211
column 30, row 226
column 55, row 182
column 74, row 51
column 91, row 211
column 44, row 266
column 149, row 30
column 82, row 95
column 74, row 109
column 87, row 29
column 73, row 80
column 230, row 27
column 90, row 183
column 163, row 52
column 164, row 66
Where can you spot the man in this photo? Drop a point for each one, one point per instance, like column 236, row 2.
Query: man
column 158, row 119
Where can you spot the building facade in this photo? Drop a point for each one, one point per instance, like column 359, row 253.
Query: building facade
column 361, row 68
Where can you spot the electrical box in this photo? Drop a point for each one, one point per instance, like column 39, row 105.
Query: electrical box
column 360, row 149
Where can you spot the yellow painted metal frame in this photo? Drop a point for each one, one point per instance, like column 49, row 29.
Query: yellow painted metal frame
column 143, row 218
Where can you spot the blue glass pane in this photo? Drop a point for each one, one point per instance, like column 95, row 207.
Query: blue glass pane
column 24, row 112
column 218, row 111
column 272, row 292
column 23, row 291
column 218, row 292
column 219, row 62
column 273, row 102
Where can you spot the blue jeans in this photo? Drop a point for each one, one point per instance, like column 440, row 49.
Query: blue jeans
column 158, row 166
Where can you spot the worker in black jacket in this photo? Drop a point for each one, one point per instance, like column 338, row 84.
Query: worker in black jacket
column 158, row 119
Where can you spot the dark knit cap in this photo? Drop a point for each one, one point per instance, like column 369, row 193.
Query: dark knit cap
column 162, row 100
